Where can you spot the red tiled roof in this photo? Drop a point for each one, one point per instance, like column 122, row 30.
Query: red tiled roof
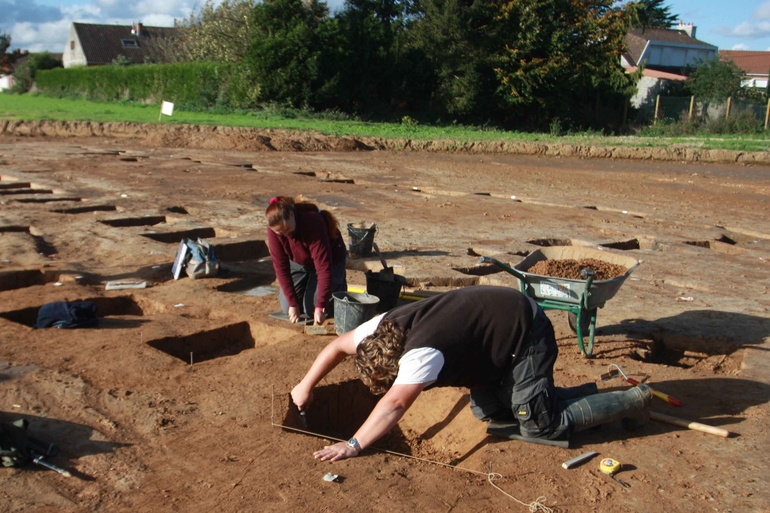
column 103, row 43
column 653, row 73
column 755, row 63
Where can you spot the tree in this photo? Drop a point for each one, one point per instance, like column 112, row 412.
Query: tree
column 458, row 40
column 24, row 74
column 715, row 80
column 5, row 43
column 121, row 60
column 286, row 49
column 365, row 54
column 215, row 33
column 557, row 57
column 650, row 13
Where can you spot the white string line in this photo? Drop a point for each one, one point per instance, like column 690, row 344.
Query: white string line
column 534, row 506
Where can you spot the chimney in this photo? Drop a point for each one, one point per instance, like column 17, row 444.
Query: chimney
column 136, row 29
column 687, row 28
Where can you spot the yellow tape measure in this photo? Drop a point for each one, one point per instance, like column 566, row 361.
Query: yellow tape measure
column 609, row 466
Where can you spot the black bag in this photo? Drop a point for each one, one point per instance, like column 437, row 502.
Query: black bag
column 65, row 314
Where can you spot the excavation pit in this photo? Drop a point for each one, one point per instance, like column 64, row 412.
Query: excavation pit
column 105, row 307
column 126, row 222
column 338, row 410
column 6, row 192
column 12, row 280
column 85, row 210
column 14, row 229
column 176, row 237
column 207, row 345
column 15, row 185
column 177, row 210
column 623, row 245
column 547, row 243
column 479, row 270
column 47, row 200
column 238, row 251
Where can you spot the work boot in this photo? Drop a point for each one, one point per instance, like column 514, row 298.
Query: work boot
column 608, row 407
column 578, row 392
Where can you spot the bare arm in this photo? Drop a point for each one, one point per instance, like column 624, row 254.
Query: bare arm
column 331, row 356
column 383, row 418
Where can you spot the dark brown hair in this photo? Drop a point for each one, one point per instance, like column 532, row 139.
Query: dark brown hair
column 280, row 207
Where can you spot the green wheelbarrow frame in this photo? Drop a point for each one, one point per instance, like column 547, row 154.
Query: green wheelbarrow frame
column 581, row 298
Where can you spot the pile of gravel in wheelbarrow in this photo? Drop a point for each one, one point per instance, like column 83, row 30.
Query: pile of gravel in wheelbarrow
column 570, row 269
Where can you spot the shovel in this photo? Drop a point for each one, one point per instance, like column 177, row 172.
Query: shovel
column 387, row 273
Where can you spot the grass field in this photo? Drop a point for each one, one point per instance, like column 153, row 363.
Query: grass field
column 35, row 108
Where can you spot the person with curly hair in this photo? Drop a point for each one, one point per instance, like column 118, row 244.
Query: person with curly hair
column 308, row 254
column 494, row 340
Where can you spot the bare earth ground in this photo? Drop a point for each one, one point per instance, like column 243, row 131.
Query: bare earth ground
column 143, row 430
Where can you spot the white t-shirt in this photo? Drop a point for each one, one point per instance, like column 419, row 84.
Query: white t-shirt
column 417, row 366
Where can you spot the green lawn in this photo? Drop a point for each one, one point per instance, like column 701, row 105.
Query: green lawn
column 33, row 107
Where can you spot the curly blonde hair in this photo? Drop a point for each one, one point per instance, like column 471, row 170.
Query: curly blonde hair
column 378, row 354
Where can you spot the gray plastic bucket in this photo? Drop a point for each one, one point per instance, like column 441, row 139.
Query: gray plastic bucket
column 361, row 238
column 352, row 309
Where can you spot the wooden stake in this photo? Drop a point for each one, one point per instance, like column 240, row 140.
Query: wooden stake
column 767, row 112
column 191, row 359
column 692, row 106
column 657, row 106
column 729, row 104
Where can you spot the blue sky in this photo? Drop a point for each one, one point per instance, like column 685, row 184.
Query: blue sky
column 38, row 25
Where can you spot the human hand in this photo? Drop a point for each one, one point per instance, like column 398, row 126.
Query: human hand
column 302, row 397
column 293, row 314
column 336, row 452
column 319, row 316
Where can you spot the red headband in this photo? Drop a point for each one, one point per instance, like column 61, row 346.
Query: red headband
column 273, row 200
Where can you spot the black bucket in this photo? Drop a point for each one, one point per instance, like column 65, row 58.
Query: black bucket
column 361, row 238
column 352, row 310
column 388, row 291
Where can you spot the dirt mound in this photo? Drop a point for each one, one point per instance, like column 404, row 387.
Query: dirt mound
column 570, row 268
column 254, row 139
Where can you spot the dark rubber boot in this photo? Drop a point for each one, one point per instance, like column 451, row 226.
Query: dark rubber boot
column 567, row 394
column 608, row 407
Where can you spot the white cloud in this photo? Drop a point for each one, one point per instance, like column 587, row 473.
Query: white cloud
column 746, row 30
column 763, row 11
column 117, row 9
column 158, row 20
column 740, row 46
column 40, row 37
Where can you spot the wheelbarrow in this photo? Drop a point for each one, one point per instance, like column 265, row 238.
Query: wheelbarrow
column 580, row 298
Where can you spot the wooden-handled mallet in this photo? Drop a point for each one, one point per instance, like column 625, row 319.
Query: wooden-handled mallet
column 695, row 426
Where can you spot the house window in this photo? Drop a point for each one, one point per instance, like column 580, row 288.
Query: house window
column 72, row 44
column 130, row 43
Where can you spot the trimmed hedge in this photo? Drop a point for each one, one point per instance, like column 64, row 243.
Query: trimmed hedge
column 189, row 85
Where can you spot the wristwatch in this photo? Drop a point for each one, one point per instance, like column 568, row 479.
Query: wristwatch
column 353, row 444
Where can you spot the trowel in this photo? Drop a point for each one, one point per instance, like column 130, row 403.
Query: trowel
column 387, row 273
column 315, row 329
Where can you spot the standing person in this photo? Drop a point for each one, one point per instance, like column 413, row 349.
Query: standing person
column 494, row 340
column 308, row 255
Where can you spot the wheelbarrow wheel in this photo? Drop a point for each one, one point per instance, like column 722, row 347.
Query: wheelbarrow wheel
column 586, row 321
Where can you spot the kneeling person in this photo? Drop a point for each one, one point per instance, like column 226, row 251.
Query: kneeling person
column 493, row 340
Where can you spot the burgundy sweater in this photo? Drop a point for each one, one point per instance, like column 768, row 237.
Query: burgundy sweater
column 308, row 246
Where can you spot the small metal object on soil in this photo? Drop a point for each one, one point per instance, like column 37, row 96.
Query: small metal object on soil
column 574, row 462
column 331, row 478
